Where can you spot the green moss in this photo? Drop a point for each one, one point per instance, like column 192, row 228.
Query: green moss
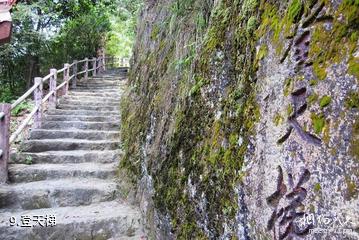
column 326, row 132
column 280, row 25
column 320, row 70
column 352, row 189
column 354, row 143
column 288, row 87
column 251, row 25
column 325, row 101
column 318, row 122
column 317, row 187
column 353, row 67
column 290, row 110
column 200, row 82
column 332, row 46
column 352, row 100
column 155, row 31
column 263, row 52
column 278, row 119
column 248, row 7
column 313, row 98
column 294, row 11
column 313, row 82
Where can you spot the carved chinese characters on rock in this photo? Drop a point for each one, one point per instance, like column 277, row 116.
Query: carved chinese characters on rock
column 287, row 204
column 299, row 44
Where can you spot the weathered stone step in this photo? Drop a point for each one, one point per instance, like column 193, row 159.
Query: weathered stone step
column 113, row 90
column 88, row 107
column 67, row 145
column 89, row 95
column 97, row 86
column 40, row 172
column 81, row 118
column 96, row 94
column 81, row 125
column 109, row 77
column 92, row 98
column 57, row 193
column 96, row 91
column 77, row 156
column 75, row 134
column 96, row 83
column 86, row 102
column 109, row 220
column 82, row 112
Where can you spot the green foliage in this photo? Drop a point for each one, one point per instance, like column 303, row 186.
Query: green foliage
column 325, row 101
column 123, row 27
column 200, row 82
column 318, row 122
column 18, row 110
column 312, row 98
column 352, row 100
column 294, row 10
column 181, row 7
column 47, row 34
column 317, row 187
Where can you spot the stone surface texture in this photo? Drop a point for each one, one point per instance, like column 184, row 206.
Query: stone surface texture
column 242, row 116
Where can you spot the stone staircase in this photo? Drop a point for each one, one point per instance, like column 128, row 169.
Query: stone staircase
column 67, row 169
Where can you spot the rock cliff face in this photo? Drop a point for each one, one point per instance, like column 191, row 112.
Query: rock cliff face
column 242, row 116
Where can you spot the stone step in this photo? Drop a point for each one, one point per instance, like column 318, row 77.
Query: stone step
column 40, row 172
column 109, row 78
column 86, row 102
column 92, row 98
column 77, row 156
column 96, row 91
column 78, row 134
column 81, row 118
column 88, row 107
column 109, row 220
column 57, row 193
column 96, row 83
column 80, row 125
column 89, row 95
column 97, row 86
column 67, row 145
column 82, row 112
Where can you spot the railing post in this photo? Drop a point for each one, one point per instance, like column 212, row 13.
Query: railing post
column 66, row 78
column 38, row 102
column 99, row 64
column 5, row 112
column 75, row 70
column 53, row 85
column 94, row 67
column 113, row 62
column 103, row 62
column 86, row 69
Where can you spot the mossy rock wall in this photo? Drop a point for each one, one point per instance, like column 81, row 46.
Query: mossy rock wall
column 242, row 115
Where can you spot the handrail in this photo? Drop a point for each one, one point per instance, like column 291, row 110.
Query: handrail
column 47, row 77
column 23, row 97
column 47, row 97
column 96, row 65
column 61, row 70
column 81, row 61
column 23, row 125
column 61, row 86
